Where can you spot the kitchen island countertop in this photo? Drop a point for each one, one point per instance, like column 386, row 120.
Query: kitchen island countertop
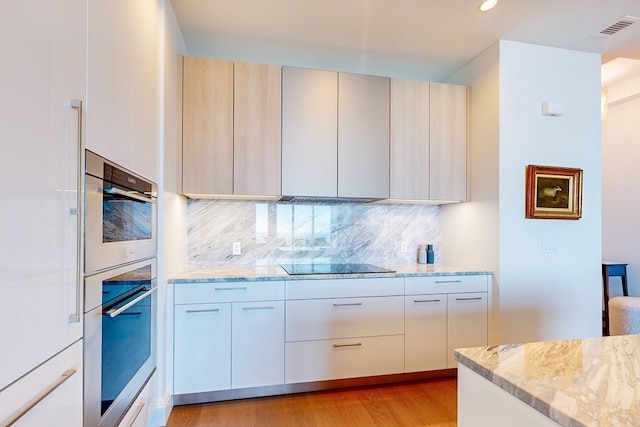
column 582, row 382
column 275, row 272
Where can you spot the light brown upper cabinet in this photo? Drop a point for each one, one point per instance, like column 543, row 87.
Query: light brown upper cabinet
column 448, row 142
column 231, row 114
column 257, row 129
column 428, row 141
column 409, row 178
column 207, row 126
column 335, row 134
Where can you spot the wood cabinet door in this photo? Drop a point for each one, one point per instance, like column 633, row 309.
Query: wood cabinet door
column 257, row 127
column 207, row 126
column 363, row 136
column 448, row 142
column 309, row 132
column 409, row 145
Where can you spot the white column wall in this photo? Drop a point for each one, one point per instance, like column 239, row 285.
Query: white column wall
column 621, row 180
column 536, row 296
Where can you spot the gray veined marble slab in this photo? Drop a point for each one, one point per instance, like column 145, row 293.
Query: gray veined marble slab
column 593, row 382
column 272, row 233
column 275, row 272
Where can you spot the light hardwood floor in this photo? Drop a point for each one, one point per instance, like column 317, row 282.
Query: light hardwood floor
column 417, row 404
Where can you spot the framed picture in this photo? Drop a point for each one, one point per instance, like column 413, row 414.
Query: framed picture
column 553, row 192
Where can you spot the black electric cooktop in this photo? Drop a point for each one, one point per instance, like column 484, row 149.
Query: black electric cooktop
column 294, row 269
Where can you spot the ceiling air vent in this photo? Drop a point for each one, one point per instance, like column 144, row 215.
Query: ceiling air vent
column 619, row 25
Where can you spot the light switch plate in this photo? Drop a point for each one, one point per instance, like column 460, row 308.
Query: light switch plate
column 550, row 246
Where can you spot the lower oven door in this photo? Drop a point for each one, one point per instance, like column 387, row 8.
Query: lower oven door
column 119, row 349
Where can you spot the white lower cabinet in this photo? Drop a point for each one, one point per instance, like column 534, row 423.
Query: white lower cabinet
column 202, row 340
column 257, row 344
column 466, row 322
column 425, row 332
column 140, row 412
column 443, row 313
column 228, row 336
column 346, row 336
column 343, row 358
column 59, row 382
column 233, row 335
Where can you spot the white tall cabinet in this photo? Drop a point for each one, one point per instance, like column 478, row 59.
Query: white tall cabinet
column 42, row 69
column 122, row 85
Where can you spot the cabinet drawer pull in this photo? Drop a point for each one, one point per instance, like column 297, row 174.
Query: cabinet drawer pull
column 426, row 300
column 346, row 304
column 264, row 307
column 203, row 310
column 39, row 398
column 468, row 299
column 135, row 416
column 244, row 288
column 448, row 281
column 356, row 344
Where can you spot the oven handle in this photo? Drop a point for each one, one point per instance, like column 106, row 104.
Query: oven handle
column 134, row 196
column 115, row 312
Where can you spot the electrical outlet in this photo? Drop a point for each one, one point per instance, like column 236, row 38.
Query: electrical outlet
column 403, row 247
column 237, row 248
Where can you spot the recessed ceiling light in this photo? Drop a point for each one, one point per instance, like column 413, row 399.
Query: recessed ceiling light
column 488, row 5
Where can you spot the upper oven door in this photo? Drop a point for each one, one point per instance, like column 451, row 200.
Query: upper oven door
column 120, row 223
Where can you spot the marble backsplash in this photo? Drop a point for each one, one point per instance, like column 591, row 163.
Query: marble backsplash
column 278, row 232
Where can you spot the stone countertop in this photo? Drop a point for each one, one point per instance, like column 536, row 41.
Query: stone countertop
column 275, row 272
column 593, row 382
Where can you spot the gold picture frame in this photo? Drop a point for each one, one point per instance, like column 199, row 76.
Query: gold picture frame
column 553, row 192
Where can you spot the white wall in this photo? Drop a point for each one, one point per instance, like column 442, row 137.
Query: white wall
column 172, row 245
column 470, row 230
column 538, row 296
column 621, row 179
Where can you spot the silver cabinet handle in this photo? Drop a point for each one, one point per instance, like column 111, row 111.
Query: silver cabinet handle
column 448, row 281
column 76, row 104
column 346, row 304
column 264, row 307
column 138, row 411
column 244, row 288
column 426, row 300
column 203, row 310
column 468, row 299
column 356, row 344
column 29, row 406
column 130, row 195
column 114, row 313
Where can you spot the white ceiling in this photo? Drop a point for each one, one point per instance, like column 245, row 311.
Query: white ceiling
column 427, row 39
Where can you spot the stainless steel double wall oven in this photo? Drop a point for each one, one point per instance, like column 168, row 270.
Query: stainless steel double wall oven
column 120, row 285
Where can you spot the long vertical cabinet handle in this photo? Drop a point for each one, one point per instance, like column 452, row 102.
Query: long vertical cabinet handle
column 76, row 104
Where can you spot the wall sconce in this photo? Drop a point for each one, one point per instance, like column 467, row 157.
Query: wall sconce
column 552, row 108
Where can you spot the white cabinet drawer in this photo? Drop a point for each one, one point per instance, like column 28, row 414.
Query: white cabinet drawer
column 344, row 358
column 344, row 288
column 140, row 412
column 228, row 292
column 62, row 406
column 344, row 317
column 446, row 284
